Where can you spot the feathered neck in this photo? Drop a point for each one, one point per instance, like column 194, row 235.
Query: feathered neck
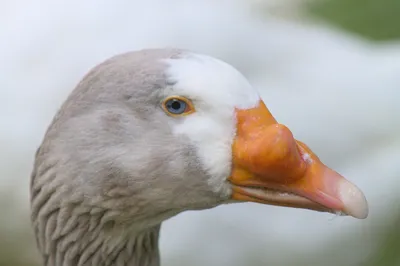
column 82, row 242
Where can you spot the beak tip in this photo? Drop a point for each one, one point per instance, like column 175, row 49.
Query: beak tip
column 354, row 201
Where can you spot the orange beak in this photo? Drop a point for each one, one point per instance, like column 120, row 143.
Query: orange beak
column 271, row 167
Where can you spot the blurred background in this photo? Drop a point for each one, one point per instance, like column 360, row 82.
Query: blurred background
column 328, row 69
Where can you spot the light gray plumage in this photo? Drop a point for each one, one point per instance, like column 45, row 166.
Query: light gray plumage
column 109, row 169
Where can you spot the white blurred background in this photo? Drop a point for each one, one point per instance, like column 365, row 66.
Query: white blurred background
column 338, row 90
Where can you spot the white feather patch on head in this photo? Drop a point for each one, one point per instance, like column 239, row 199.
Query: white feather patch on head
column 216, row 89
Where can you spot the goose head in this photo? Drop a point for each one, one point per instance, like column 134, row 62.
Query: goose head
column 149, row 134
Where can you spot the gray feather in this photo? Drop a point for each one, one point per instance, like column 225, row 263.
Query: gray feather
column 109, row 169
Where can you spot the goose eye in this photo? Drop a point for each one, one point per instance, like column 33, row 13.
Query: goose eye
column 177, row 105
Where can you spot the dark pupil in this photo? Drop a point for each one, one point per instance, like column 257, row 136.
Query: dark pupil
column 176, row 106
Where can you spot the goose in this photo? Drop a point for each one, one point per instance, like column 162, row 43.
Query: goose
column 151, row 133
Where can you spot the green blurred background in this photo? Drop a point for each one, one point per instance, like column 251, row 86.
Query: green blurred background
column 373, row 19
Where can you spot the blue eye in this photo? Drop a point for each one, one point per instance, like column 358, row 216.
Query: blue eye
column 177, row 105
